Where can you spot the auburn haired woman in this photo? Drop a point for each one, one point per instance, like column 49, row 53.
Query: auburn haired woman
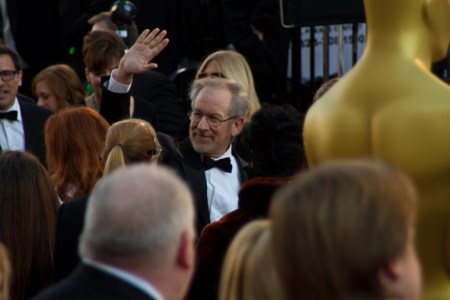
column 57, row 87
column 74, row 140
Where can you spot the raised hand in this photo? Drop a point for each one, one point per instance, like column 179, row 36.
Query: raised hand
column 138, row 58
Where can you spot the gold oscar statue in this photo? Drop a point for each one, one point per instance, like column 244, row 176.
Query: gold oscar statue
column 390, row 106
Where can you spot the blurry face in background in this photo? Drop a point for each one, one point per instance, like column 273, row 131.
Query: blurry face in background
column 94, row 79
column 211, row 70
column 46, row 98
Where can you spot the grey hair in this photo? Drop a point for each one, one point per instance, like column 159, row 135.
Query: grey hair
column 142, row 209
column 240, row 101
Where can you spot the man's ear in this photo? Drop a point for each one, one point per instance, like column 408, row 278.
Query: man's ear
column 186, row 251
column 391, row 270
column 20, row 76
column 238, row 124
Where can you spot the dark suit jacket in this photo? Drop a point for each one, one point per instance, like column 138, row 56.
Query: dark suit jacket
column 70, row 222
column 34, row 118
column 156, row 101
column 116, row 107
column 88, row 283
column 191, row 170
column 161, row 92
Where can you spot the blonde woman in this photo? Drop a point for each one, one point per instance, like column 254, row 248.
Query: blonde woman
column 248, row 271
column 130, row 141
column 232, row 65
column 57, row 87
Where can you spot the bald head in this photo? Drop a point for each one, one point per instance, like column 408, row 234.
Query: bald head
column 138, row 211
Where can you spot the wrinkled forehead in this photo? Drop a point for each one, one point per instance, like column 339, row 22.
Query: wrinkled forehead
column 214, row 101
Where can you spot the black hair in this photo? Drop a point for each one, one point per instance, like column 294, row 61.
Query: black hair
column 14, row 56
column 275, row 140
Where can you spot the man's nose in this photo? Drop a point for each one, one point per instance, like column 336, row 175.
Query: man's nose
column 203, row 124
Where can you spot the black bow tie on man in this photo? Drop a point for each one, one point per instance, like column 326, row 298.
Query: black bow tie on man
column 9, row 115
column 224, row 163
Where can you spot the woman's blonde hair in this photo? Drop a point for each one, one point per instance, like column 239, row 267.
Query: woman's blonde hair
column 248, row 271
column 129, row 141
column 234, row 66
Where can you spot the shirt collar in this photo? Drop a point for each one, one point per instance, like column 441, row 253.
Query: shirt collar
column 133, row 280
column 227, row 153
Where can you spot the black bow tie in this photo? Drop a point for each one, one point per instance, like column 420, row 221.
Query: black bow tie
column 9, row 115
column 223, row 164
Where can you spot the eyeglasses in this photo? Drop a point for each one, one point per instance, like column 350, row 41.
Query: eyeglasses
column 154, row 152
column 211, row 75
column 8, row 75
column 196, row 116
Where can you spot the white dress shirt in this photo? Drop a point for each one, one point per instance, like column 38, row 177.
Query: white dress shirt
column 12, row 135
column 222, row 188
column 131, row 279
column 117, row 87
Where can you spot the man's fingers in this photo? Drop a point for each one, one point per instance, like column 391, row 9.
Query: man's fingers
column 143, row 35
column 149, row 38
column 160, row 46
column 158, row 38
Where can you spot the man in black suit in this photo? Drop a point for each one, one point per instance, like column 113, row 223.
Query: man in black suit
column 21, row 122
column 218, row 109
column 141, row 248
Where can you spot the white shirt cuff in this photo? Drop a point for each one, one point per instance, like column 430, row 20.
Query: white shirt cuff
column 115, row 86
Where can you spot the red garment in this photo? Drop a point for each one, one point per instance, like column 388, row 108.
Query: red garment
column 254, row 201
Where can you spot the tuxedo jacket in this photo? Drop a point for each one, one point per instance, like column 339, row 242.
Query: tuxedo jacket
column 88, row 283
column 116, row 107
column 34, row 118
column 191, row 169
column 69, row 225
column 156, row 101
